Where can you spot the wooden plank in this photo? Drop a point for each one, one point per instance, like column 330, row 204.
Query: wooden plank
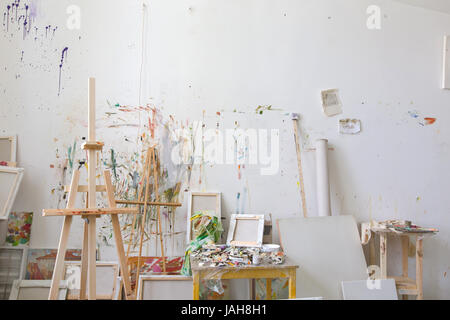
column 299, row 164
column 92, row 243
column 141, row 239
column 87, row 212
column 59, row 263
column 84, row 188
column 158, row 212
column 150, row 203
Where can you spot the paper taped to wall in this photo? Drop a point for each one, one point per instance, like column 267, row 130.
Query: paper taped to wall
column 331, row 102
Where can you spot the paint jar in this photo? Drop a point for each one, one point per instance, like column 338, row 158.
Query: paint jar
column 256, row 259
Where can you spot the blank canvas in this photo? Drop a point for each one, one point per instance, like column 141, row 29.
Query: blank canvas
column 35, row 290
column 162, row 287
column 10, row 179
column 328, row 251
column 106, row 279
column 382, row 289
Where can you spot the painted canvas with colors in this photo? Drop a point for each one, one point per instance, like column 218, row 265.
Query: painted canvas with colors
column 19, row 228
column 40, row 262
column 280, row 289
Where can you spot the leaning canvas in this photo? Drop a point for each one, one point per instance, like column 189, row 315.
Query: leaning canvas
column 40, row 262
column 10, row 179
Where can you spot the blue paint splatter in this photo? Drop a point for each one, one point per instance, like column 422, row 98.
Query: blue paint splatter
column 63, row 55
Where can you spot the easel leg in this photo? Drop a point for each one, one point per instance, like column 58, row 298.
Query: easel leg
column 121, row 256
column 268, row 289
column 196, row 285
column 419, row 267
column 292, row 284
column 59, row 264
column 84, row 263
column 92, row 295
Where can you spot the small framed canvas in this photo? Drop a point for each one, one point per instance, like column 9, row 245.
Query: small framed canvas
column 202, row 202
column 8, row 147
column 165, row 287
column 446, row 64
column 246, row 230
column 10, row 179
column 106, row 281
column 35, row 290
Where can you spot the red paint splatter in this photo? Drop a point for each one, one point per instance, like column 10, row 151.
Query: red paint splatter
column 429, row 121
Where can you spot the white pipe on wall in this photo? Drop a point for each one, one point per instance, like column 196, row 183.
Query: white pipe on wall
column 323, row 183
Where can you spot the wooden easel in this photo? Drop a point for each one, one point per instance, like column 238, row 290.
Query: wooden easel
column 88, row 259
column 151, row 164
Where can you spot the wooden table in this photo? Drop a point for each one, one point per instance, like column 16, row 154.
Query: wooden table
column 405, row 285
column 263, row 271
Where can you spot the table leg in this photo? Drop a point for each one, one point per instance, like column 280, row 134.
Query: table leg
column 292, row 284
column 419, row 267
column 59, row 264
column 268, row 289
column 383, row 255
column 196, row 285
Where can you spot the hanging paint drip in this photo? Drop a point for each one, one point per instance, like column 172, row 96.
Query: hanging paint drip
column 63, row 55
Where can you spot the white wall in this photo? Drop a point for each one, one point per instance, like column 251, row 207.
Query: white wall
column 203, row 57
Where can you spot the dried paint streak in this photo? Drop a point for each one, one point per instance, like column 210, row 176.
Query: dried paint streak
column 113, row 163
column 71, row 154
column 430, row 121
column 63, row 55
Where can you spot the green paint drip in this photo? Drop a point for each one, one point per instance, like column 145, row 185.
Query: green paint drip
column 71, row 154
column 113, row 164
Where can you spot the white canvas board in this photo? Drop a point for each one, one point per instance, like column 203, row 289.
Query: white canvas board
column 328, row 251
column 383, row 289
column 106, row 279
column 163, row 287
column 35, row 290
column 10, row 179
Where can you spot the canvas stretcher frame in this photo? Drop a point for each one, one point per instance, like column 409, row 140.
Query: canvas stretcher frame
column 22, row 284
column 158, row 279
column 234, row 239
column 100, row 264
column 13, row 150
column 192, row 208
column 9, row 193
